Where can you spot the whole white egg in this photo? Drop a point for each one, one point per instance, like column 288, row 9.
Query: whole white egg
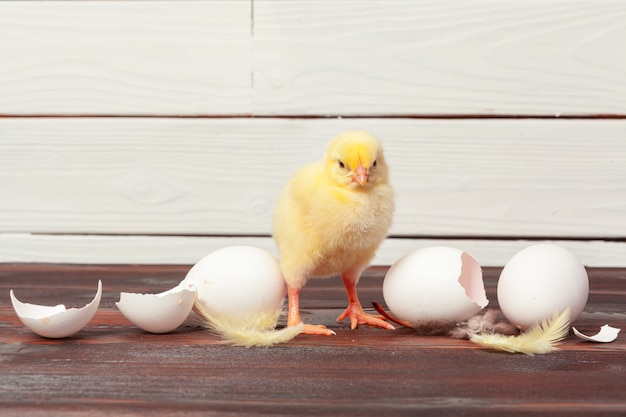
column 239, row 281
column 435, row 283
column 540, row 280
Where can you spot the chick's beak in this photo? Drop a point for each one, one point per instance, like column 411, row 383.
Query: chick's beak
column 361, row 175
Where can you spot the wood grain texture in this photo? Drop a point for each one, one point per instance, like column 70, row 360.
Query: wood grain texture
column 474, row 178
column 303, row 57
column 444, row 57
column 125, row 57
column 161, row 189
column 158, row 250
column 113, row 368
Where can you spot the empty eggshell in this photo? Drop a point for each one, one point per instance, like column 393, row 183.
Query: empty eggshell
column 436, row 283
column 607, row 334
column 158, row 313
column 238, row 281
column 55, row 321
column 539, row 281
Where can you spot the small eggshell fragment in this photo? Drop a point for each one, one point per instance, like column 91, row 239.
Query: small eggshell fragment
column 540, row 280
column 436, row 283
column 238, row 281
column 607, row 334
column 55, row 321
column 158, row 313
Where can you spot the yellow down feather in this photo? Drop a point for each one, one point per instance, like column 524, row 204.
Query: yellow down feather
column 540, row 339
column 247, row 330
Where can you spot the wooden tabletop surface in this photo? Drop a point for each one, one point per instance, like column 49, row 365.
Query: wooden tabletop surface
column 113, row 368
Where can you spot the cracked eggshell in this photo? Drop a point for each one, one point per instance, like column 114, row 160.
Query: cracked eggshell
column 55, row 321
column 540, row 280
column 238, row 281
column 607, row 334
column 158, row 313
column 437, row 283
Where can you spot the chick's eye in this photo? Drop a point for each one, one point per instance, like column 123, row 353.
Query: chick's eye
column 375, row 163
column 341, row 164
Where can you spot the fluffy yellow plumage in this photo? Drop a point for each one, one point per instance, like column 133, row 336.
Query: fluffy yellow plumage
column 247, row 330
column 331, row 218
column 540, row 339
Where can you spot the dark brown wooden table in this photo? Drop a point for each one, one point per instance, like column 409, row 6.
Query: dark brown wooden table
column 114, row 368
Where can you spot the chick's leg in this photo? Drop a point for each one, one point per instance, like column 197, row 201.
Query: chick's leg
column 355, row 310
column 293, row 316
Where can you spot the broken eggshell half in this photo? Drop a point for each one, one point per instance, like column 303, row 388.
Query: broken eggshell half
column 55, row 321
column 436, row 283
column 158, row 313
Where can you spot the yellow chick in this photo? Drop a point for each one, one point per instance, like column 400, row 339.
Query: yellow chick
column 330, row 219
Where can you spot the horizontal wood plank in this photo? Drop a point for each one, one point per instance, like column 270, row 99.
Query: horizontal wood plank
column 113, row 368
column 159, row 250
column 453, row 178
column 303, row 57
column 444, row 57
column 125, row 57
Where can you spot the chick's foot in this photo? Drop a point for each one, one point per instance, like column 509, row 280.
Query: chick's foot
column 317, row 329
column 358, row 316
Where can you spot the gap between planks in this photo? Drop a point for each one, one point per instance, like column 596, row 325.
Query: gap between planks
column 326, row 116
column 530, row 238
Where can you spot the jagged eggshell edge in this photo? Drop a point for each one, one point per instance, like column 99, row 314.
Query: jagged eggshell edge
column 55, row 321
column 158, row 313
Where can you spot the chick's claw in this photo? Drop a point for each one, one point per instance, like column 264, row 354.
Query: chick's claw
column 317, row 329
column 358, row 316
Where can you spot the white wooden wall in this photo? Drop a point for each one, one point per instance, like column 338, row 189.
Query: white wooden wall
column 157, row 131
